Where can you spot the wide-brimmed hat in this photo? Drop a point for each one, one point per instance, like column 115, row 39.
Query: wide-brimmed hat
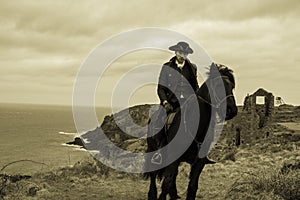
column 181, row 47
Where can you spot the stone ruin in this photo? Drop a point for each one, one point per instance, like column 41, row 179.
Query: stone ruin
column 261, row 103
column 253, row 118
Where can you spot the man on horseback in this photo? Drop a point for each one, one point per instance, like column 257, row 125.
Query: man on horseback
column 167, row 148
column 177, row 82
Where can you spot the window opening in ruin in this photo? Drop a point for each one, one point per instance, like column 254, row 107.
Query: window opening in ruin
column 260, row 100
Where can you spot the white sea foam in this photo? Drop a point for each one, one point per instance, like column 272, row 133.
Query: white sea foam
column 66, row 133
column 86, row 141
column 76, row 147
column 94, row 152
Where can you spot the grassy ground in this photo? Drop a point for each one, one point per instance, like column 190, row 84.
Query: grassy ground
column 265, row 170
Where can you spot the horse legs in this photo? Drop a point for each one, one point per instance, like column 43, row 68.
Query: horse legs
column 152, row 194
column 169, row 182
column 196, row 170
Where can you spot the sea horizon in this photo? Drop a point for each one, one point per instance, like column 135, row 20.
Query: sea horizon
column 35, row 132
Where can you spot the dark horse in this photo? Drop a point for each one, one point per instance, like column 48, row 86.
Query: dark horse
column 210, row 100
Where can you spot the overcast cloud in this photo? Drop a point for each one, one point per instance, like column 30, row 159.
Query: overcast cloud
column 44, row 43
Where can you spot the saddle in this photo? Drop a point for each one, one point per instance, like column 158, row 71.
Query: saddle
column 170, row 119
column 158, row 157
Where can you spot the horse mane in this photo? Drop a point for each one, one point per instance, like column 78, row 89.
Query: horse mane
column 219, row 69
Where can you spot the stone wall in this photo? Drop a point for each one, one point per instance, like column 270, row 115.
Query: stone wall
column 265, row 111
column 252, row 120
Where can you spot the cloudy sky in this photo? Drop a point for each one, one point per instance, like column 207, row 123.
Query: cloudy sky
column 44, row 44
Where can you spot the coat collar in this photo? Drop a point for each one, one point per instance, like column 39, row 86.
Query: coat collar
column 173, row 62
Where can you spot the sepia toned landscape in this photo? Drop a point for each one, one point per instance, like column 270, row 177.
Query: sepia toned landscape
column 83, row 68
column 255, row 160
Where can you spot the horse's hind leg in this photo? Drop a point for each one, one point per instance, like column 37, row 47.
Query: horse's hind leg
column 169, row 182
column 196, row 170
column 152, row 194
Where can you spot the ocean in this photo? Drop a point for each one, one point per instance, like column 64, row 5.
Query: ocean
column 34, row 134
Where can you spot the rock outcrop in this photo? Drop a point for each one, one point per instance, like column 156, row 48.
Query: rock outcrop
column 125, row 128
column 77, row 141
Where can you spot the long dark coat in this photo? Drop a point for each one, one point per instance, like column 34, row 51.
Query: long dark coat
column 168, row 79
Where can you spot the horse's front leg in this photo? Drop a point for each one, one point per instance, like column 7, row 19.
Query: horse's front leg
column 152, row 194
column 196, row 170
column 169, row 182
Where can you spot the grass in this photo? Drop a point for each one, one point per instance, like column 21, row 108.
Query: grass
column 267, row 184
column 87, row 179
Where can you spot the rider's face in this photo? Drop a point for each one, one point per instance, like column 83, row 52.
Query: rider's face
column 181, row 56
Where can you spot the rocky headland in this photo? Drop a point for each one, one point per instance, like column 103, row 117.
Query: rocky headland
column 253, row 163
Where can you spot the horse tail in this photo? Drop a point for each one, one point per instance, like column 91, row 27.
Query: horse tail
column 158, row 173
column 154, row 143
column 152, row 146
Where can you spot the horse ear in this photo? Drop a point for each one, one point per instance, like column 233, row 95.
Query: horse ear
column 213, row 69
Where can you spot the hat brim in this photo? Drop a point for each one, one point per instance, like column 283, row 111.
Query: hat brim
column 177, row 48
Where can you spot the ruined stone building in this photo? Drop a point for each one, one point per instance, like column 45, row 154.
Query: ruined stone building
column 252, row 120
column 261, row 103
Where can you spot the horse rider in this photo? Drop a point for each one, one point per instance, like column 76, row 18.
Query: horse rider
column 177, row 81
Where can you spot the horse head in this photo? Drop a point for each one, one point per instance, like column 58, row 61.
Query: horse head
column 217, row 91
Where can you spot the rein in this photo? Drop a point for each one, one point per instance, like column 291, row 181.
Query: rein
column 218, row 104
column 185, row 124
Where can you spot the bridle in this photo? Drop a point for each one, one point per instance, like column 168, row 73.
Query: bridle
column 216, row 106
column 218, row 101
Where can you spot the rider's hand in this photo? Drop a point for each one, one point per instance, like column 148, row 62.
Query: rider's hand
column 168, row 107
